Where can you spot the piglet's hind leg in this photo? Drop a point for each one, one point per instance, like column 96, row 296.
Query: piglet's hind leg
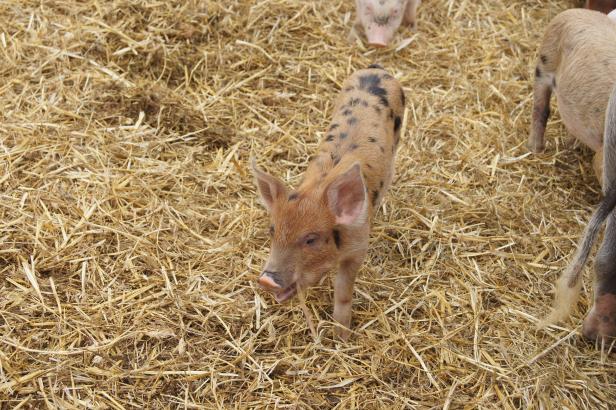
column 601, row 320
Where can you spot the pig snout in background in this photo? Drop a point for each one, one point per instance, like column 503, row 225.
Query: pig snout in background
column 380, row 19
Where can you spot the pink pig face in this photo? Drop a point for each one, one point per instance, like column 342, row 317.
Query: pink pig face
column 380, row 19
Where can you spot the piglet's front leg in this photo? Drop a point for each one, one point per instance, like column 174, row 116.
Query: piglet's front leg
column 354, row 33
column 410, row 13
column 343, row 293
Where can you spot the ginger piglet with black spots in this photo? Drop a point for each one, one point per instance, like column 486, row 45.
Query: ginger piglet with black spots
column 324, row 224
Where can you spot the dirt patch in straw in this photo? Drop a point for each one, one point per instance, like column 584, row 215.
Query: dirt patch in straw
column 156, row 106
column 130, row 234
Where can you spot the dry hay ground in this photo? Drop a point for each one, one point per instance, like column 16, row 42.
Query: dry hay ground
column 130, row 234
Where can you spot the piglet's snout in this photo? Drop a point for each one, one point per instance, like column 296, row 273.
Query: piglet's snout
column 378, row 43
column 268, row 282
column 379, row 36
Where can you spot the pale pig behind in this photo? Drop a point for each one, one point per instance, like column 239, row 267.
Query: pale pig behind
column 379, row 19
column 325, row 223
column 577, row 61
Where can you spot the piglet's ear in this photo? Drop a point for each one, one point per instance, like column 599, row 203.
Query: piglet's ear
column 270, row 188
column 346, row 197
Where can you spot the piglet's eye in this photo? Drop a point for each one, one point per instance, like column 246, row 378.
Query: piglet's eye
column 311, row 239
column 271, row 230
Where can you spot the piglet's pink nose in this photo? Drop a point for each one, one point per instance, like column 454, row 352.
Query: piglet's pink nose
column 267, row 282
column 378, row 44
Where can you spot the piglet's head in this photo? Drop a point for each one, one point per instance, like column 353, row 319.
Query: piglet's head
column 305, row 228
column 381, row 19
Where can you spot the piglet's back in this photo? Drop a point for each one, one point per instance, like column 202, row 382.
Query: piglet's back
column 366, row 128
column 579, row 53
column 578, row 34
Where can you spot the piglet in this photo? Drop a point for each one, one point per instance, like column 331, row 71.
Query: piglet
column 577, row 62
column 380, row 19
column 325, row 222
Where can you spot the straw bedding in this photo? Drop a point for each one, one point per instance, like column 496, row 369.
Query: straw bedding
column 130, row 234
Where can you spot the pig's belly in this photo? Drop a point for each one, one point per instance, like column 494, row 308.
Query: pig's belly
column 582, row 103
column 579, row 124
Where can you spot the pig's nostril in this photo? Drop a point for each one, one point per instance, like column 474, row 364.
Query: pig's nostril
column 267, row 282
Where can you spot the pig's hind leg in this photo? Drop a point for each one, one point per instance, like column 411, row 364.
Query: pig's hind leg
column 410, row 13
column 601, row 320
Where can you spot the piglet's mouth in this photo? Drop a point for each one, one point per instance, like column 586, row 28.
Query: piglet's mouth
column 286, row 293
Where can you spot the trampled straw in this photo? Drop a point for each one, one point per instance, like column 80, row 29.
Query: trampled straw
column 131, row 235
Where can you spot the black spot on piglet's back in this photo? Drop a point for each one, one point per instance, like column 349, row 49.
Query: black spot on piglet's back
column 372, row 84
column 383, row 98
column 369, row 80
column 397, row 123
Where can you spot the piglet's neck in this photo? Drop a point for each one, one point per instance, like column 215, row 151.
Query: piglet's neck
column 324, row 170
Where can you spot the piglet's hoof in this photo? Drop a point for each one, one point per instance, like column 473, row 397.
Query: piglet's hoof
column 601, row 321
column 536, row 148
column 342, row 333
